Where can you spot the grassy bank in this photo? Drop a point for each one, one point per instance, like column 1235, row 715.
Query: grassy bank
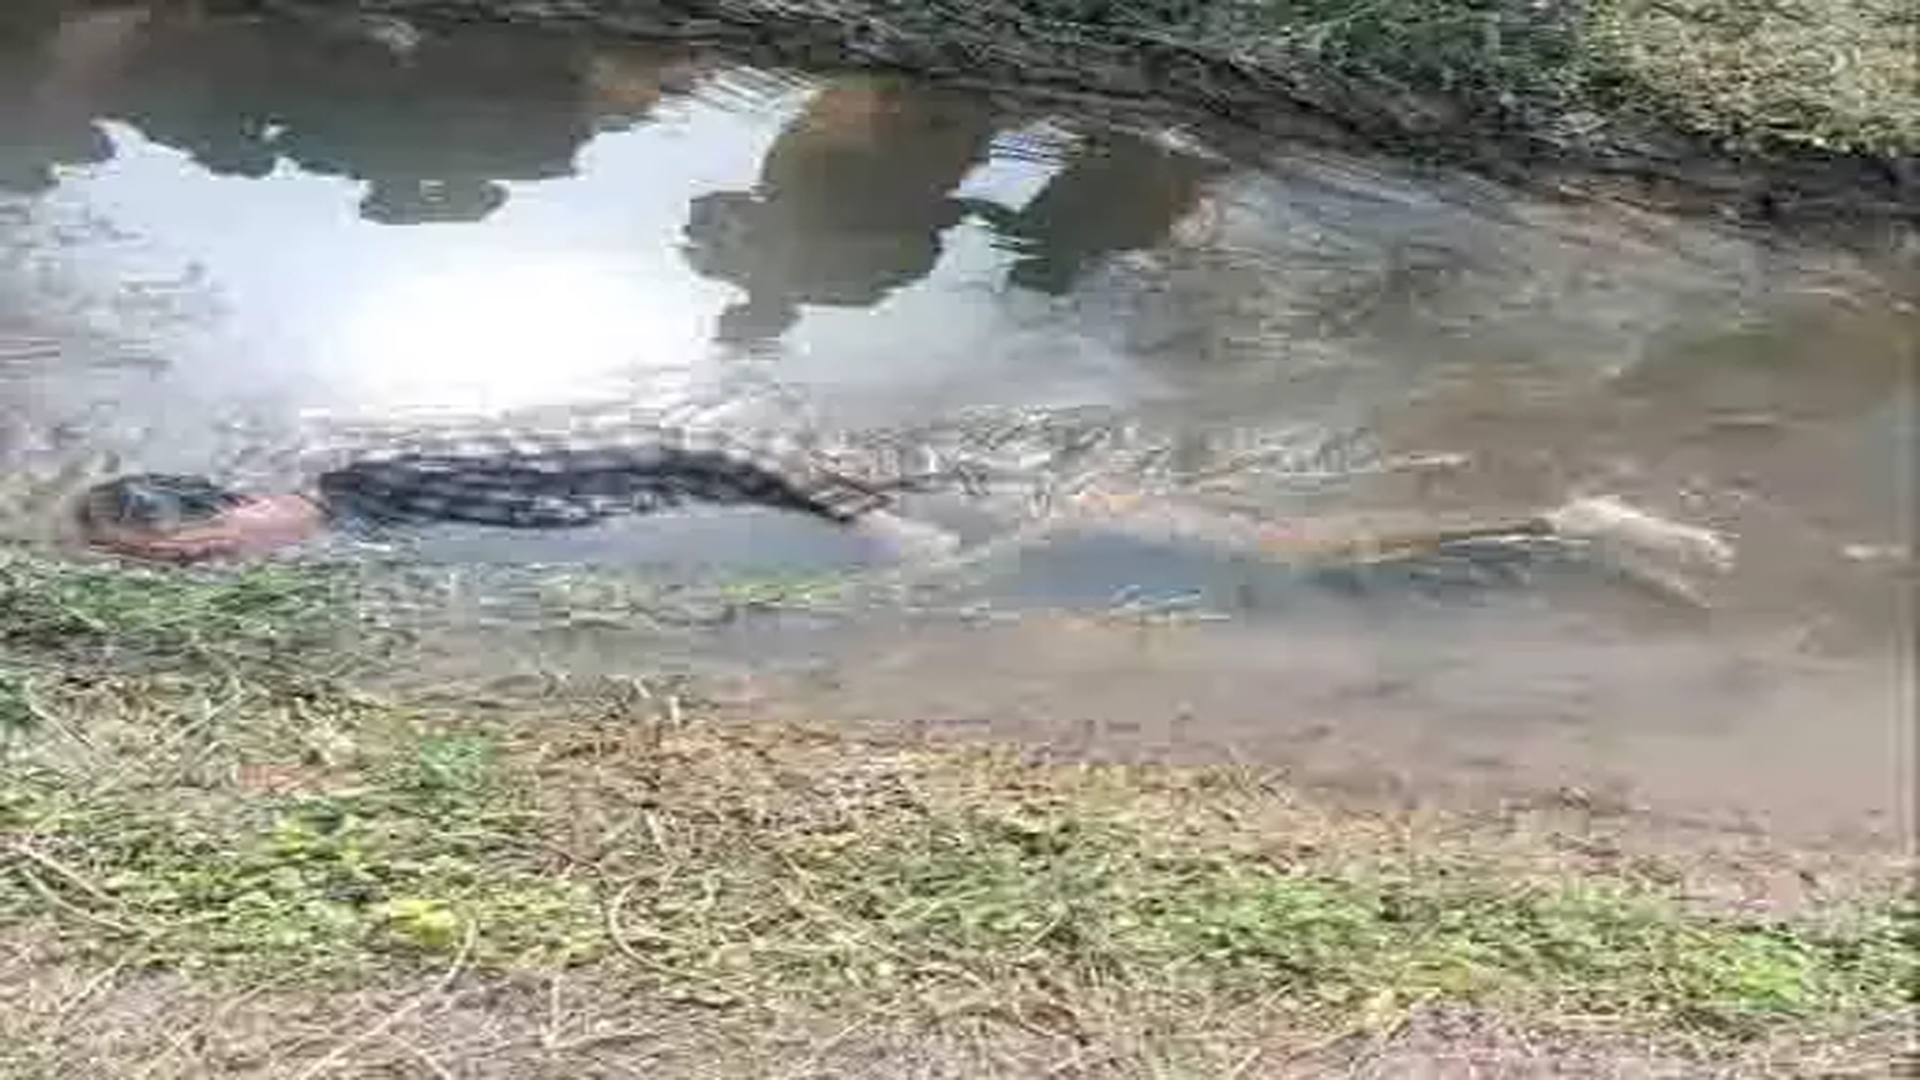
column 205, row 816
column 1762, row 104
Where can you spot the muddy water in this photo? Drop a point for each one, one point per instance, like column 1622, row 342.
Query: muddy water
column 218, row 237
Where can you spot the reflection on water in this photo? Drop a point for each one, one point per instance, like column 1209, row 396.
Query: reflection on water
column 288, row 217
column 1117, row 193
column 50, row 68
column 853, row 199
column 218, row 226
column 434, row 133
column 784, row 195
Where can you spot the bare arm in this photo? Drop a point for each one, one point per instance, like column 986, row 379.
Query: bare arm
column 1622, row 530
column 1651, row 549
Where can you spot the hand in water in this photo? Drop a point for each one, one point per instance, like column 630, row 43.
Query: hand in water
column 1635, row 533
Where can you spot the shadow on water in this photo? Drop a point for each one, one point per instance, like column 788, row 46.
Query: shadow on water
column 219, row 236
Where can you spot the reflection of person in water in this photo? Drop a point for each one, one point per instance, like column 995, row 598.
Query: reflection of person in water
column 852, row 201
column 436, row 129
column 210, row 89
column 437, row 133
column 1117, row 193
column 54, row 63
column 438, row 136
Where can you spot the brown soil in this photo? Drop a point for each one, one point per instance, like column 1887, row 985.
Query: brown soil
column 118, row 1022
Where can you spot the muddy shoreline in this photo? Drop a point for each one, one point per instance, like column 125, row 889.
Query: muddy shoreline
column 1633, row 155
column 260, row 815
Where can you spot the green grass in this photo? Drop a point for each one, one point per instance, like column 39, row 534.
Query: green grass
column 199, row 811
column 71, row 617
column 819, row 877
column 1759, row 76
column 1834, row 74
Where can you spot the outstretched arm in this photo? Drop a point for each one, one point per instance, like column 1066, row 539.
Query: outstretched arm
column 1651, row 549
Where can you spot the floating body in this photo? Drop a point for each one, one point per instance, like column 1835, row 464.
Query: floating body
column 585, row 474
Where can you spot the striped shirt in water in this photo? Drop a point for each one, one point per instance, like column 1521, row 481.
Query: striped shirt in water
column 581, row 474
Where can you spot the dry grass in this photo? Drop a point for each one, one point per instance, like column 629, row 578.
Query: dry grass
column 217, row 860
column 1841, row 74
column 121, row 1023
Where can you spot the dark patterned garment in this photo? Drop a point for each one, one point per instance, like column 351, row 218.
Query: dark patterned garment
column 539, row 480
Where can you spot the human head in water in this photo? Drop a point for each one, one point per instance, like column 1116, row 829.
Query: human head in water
column 183, row 519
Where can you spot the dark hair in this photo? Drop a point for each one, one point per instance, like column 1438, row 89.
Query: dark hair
column 155, row 502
